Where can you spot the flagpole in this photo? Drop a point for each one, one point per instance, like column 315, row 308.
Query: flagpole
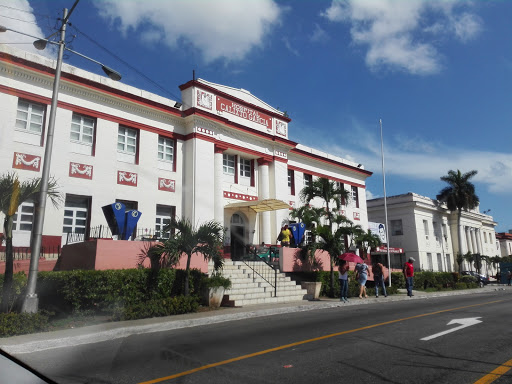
column 385, row 201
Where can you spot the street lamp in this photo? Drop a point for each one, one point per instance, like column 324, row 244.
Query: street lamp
column 30, row 303
column 385, row 201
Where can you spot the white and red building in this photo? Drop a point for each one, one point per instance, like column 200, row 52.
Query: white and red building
column 218, row 154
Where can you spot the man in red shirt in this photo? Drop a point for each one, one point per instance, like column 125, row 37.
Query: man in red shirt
column 409, row 273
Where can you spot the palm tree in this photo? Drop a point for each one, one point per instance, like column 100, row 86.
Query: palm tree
column 365, row 240
column 331, row 241
column 205, row 239
column 459, row 195
column 12, row 195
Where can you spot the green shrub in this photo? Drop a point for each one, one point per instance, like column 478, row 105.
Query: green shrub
column 19, row 285
column 157, row 308
column 215, row 281
column 12, row 324
column 398, row 279
column 460, row 285
column 468, row 279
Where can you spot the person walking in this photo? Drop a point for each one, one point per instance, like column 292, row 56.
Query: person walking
column 509, row 276
column 343, row 277
column 409, row 274
column 362, row 276
column 378, row 278
column 285, row 236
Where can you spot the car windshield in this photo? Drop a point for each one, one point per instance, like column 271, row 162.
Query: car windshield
column 187, row 187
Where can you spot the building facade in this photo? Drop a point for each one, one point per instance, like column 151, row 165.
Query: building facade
column 504, row 243
column 219, row 154
column 428, row 232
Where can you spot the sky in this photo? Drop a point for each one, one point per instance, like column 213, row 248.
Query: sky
column 437, row 73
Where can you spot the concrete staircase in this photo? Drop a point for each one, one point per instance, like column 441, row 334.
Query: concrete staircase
column 248, row 288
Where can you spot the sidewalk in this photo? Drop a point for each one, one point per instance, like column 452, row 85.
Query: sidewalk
column 114, row 330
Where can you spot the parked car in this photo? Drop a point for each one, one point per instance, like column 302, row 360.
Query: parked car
column 481, row 278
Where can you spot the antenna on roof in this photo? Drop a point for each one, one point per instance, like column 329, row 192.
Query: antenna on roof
column 194, row 74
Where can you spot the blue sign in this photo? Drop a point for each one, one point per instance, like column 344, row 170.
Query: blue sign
column 132, row 217
column 298, row 230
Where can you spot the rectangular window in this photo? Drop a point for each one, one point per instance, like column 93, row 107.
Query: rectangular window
column 165, row 149
column 308, row 180
column 439, row 263
column 24, row 217
column 245, row 168
column 75, row 214
column 429, row 261
column 291, row 182
column 341, row 187
column 82, row 129
column 30, row 117
column 164, row 215
column 355, row 196
column 425, row 229
column 228, row 162
column 396, row 227
column 127, row 140
column 448, row 263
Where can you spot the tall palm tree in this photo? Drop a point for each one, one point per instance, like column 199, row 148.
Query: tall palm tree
column 365, row 240
column 12, row 194
column 459, row 195
column 331, row 241
column 206, row 239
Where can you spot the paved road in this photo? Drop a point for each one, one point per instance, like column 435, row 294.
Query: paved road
column 374, row 343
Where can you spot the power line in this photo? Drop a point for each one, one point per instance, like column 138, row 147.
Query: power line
column 14, row 18
column 127, row 64
column 23, row 10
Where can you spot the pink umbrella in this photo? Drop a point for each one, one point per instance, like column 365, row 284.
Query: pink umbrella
column 351, row 257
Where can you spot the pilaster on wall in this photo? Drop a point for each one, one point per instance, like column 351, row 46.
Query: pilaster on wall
column 264, row 193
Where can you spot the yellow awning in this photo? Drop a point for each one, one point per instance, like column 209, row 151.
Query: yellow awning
column 261, row 205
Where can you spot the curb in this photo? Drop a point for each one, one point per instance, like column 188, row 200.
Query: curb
column 97, row 333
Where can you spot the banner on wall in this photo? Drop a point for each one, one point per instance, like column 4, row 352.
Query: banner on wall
column 378, row 229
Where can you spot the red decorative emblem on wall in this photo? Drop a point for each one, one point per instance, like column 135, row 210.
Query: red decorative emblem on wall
column 82, row 171
column 166, row 184
column 25, row 161
column 239, row 196
column 127, row 178
column 204, row 99
column 357, row 216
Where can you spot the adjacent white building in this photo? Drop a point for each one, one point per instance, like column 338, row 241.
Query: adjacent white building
column 504, row 243
column 427, row 230
column 220, row 153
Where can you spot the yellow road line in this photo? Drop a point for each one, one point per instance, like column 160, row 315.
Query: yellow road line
column 224, row 362
column 496, row 374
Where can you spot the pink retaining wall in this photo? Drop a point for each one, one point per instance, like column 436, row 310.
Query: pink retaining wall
column 24, row 265
column 104, row 254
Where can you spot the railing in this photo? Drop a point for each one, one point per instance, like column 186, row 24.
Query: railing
column 23, row 253
column 262, row 268
column 104, row 232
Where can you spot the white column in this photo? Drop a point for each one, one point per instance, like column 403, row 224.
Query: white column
column 479, row 241
column 473, row 240
column 264, row 189
column 468, row 240
column 218, row 198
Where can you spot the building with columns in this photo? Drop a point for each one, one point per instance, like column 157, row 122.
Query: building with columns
column 219, row 153
column 428, row 232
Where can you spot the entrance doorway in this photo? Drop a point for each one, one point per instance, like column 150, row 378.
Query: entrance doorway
column 238, row 236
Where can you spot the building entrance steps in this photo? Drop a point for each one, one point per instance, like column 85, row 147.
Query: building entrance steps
column 249, row 288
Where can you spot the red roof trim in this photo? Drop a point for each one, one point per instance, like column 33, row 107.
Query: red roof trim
column 309, row 172
column 330, row 161
column 206, row 87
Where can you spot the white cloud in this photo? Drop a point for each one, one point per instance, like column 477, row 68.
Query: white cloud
column 288, row 46
column 227, row 29
column 17, row 15
column 396, row 32
column 318, row 34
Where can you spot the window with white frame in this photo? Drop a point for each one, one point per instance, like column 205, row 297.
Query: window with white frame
column 127, row 140
column 440, row 263
column 82, row 129
column 228, row 162
column 430, row 262
column 341, row 187
column 165, row 149
column 396, row 227
column 308, row 180
column 448, row 263
column 425, row 229
column 30, row 117
column 24, row 217
column 245, row 168
column 75, row 214
column 354, row 195
column 291, row 182
column 163, row 217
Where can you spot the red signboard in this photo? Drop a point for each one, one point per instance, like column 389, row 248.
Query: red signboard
column 25, row 161
column 391, row 250
column 166, row 185
column 127, row 178
column 82, row 171
column 228, row 106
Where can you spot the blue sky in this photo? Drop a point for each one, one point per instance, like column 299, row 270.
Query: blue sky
column 438, row 74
